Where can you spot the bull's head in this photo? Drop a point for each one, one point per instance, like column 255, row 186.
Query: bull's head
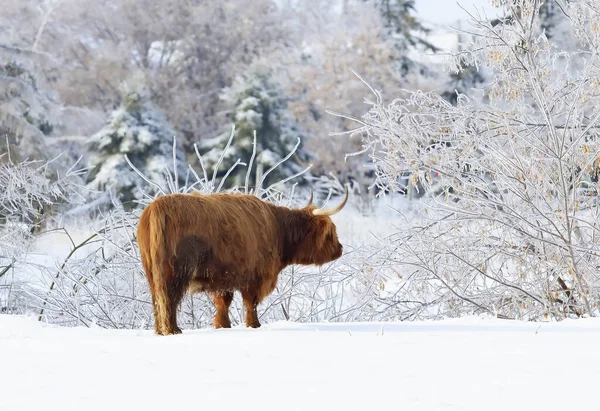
column 319, row 243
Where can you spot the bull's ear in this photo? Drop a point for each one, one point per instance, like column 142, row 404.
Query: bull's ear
column 334, row 210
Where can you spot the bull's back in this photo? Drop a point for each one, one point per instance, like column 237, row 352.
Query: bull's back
column 239, row 231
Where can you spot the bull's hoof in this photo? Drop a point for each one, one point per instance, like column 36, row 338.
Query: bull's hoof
column 173, row 331
column 221, row 323
column 254, row 324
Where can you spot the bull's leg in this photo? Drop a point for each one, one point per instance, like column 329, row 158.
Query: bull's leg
column 250, row 304
column 175, row 291
column 175, row 297
column 162, row 298
column 149, row 276
column 154, row 305
column 222, row 302
column 155, row 310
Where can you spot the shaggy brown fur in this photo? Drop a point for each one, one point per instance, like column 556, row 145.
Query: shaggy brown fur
column 220, row 243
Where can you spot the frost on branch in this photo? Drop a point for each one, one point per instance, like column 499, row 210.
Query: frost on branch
column 509, row 224
column 30, row 195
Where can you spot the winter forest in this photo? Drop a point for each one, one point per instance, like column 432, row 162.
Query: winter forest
column 472, row 163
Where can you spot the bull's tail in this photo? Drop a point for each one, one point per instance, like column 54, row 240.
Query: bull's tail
column 155, row 258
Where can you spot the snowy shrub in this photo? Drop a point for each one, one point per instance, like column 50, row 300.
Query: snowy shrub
column 96, row 277
column 30, row 197
column 103, row 284
column 509, row 224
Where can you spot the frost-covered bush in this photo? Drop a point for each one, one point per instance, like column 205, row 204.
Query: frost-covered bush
column 29, row 197
column 106, row 286
column 97, row 277
column 510, row 223
column 99, row 282
column 30, row 189
column 137, row 132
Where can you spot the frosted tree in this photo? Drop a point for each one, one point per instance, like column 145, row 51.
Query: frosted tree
column 513, row 226
column 31, row 200
column 190, row 50
column 139, row 131
column 27, row 111
column 256, row 104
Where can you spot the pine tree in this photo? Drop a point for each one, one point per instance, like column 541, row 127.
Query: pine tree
column 407, row 32
column 256, row 104
column 141, row 132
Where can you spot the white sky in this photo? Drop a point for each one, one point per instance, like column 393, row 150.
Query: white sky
column 439, row 15
column 446, row 12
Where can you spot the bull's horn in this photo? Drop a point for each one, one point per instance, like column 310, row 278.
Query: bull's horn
column 334, row 210
column 310, row 199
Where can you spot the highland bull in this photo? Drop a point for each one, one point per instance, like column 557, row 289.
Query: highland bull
column 221, row 243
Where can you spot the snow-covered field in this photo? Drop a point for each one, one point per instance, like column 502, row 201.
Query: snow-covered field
column 465, row 364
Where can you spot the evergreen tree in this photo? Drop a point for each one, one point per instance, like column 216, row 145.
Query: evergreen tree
column 141, row 132
column 407, row 32
column 256, row 103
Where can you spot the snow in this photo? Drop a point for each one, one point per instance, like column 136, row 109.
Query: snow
column 249, row 116
column 462, row 364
